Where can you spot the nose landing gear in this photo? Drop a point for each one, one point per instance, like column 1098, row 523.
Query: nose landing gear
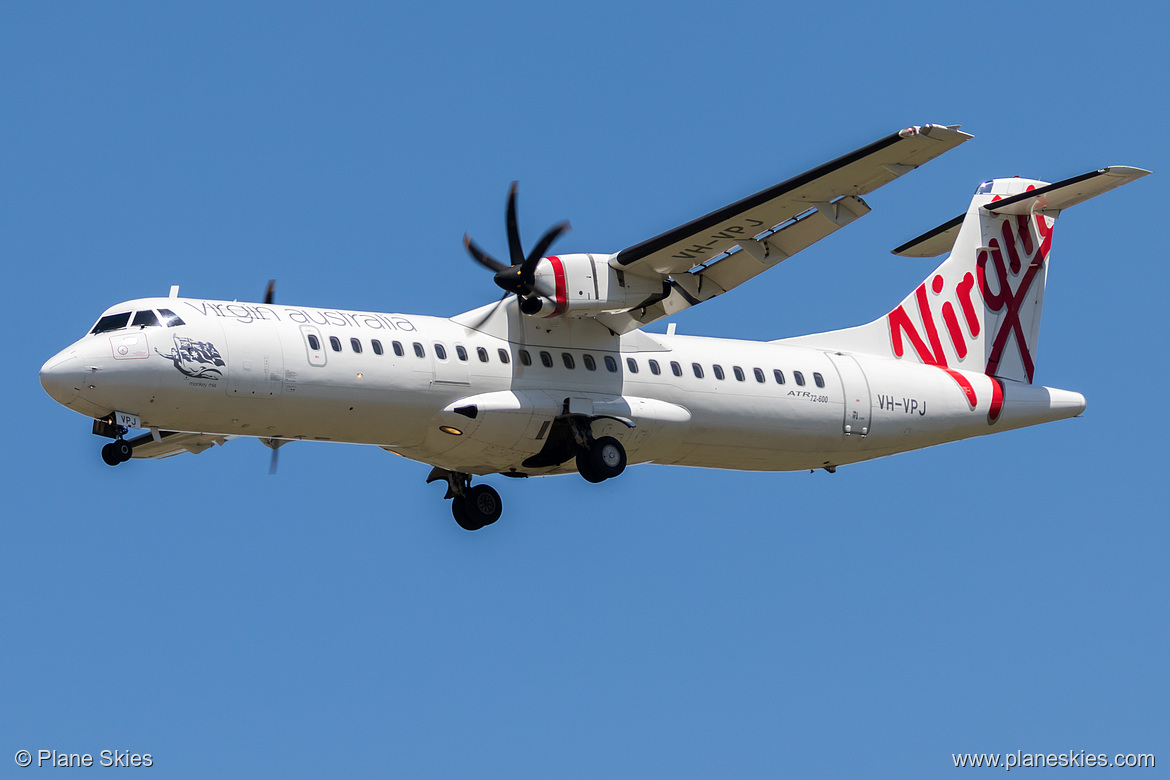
column 118, row 451
column 472, row 507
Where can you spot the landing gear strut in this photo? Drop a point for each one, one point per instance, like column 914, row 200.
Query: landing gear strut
column 472, row 507
column 119, row 450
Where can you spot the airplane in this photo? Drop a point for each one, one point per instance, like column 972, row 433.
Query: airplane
column 559, row 377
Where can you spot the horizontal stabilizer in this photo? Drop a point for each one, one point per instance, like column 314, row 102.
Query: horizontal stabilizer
column 934, row 242
column 1048, row 200
column 1053, row 198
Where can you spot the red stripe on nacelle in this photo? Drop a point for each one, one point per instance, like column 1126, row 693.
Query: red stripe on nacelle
column 562, row 298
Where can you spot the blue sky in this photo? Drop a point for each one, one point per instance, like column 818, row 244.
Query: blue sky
column 995, row 595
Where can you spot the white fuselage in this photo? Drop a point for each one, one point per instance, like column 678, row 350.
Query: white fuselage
column 296, row 373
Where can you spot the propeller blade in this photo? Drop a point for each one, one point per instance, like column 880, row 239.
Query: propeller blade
column 490, row 313
column 482, row 257
column 270, row 293
column 515, row 250
column 272, row 463
column 543, row 244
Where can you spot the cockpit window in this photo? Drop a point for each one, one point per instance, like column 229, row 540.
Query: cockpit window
column 111, row 322
column 145, row 319
column 984, row 188
column 170, row 319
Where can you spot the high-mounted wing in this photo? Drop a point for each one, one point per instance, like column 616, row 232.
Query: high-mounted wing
column 721, row 250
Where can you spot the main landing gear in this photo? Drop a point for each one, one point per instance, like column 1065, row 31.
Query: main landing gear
column 602, row 459
column 473, row 507
column 570, row 437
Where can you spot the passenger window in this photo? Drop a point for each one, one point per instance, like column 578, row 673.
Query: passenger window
column 799, row 377
column 759, row 375
column 377, row 345
column 397, row 348
column 145, row 319
column 818, row 379
column 419, row 351
column 738, row 373
column 718, row 371
column 546, row 359
column 654, row 369
column 633, row 365
column 504, row 357
column 482, row 353
column 698, row 370
column 460, row 352
column 590, row 363
column 314, row 343
column 111, row 322
column 675, row 368
column 525, row 358
column 565, row 356
column 335, row 343
column 170, row 319
column 779, row 376
column 440, row 351
column 357, row 345
column 610, row 364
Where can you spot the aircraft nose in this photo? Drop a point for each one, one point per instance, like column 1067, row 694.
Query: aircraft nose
column 61, row 376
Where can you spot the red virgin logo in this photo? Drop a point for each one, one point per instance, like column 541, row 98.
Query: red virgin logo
column 1015, row 257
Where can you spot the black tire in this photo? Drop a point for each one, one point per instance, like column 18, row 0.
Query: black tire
column 607, row 457
column 123, row 449
column 483, row 504
column 459, row 512
column 110, row 455
column 585, row 469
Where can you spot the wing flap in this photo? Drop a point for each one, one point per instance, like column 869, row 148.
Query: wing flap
column 752, row 259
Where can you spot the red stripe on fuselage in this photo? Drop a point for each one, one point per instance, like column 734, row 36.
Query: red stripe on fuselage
column 996, row 400
column 964, row 385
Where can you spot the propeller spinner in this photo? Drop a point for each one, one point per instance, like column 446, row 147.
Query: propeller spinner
column 520, row 276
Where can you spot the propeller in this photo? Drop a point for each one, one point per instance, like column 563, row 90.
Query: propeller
column 520, row 276
column 273, row 444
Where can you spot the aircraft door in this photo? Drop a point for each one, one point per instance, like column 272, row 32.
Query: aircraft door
column 855, row 386
column 314, row 345
column 255, row 362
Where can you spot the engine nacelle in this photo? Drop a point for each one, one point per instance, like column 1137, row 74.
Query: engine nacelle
column 585, row 285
